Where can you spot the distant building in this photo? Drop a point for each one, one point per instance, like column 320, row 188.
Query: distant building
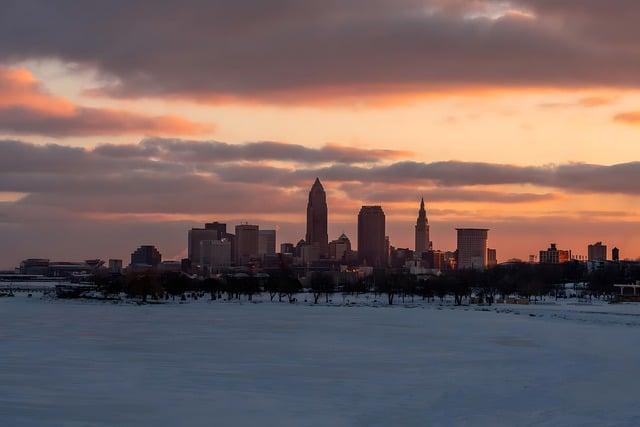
column 170, row 267
column 433, row 260
column 553, row 255
column 597, row 252
column 492, row 258
column 35, row 266
column 317, row 235
column 398, row 257
column 211, row 231
column 340, row 248
column 472, row 248
column 422, row 242
column 146, row 255
column 215, row 255
column 266, row 242
column 615, row 254
column 115, row 266
column 247, row 243
column 287, row 248
column 372, row 244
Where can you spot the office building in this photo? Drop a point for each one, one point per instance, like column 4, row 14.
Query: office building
column 211, row 231
column 317, row 220
column 287, row 248
column 215, row 255
column 340, row 248
column 266, row 242
column 372, row 243
column 597, row 252
column 146, row 255
column 115, row 266
column 247, row 243
column 553, row 255
column 472, row 248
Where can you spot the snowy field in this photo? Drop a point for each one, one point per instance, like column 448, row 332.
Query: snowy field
column 74, row 363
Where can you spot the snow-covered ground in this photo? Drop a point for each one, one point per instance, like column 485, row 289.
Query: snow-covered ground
column 78, row 363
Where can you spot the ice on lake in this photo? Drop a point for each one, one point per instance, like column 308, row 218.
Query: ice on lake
column 75, row 363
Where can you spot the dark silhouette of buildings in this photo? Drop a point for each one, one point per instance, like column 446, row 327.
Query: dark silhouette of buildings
column 553, row 255
column 472, row 248
column 340, row 249
column 423, row 243
column 287, row 248
column 146, row 255
column 317, row 236
column 212, row 231
column 615, row 254
column 492, row 257
column 597, row 252
column 372, row 244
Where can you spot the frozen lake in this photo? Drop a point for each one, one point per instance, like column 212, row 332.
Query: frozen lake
column 78, row 363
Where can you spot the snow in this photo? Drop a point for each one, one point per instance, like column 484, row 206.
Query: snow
column 77, row 363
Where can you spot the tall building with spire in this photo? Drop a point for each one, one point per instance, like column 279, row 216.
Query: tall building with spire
column 317, row 236
column 423, row 243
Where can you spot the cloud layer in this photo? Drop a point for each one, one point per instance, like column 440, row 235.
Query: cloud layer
column 27, row 108
column 286, row 50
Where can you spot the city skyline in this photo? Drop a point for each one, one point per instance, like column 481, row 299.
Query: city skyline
column 498, row 112
column 211, row 248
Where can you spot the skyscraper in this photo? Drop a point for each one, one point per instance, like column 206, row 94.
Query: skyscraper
column 266, row 242
column 247, row 243
column 371, row 237
column 472, row 248
column 211, row 231
column 317, row 220
column 422, row 231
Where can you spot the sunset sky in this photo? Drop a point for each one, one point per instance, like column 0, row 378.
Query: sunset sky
column 127, row 122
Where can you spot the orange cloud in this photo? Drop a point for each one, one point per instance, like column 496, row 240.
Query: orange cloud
column 631, row 118
column 27, row 108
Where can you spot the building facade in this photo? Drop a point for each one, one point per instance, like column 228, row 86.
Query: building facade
column 266, row 242
column 247, row 243
column 372, row 244
column 472, row 248
column 597, row 252
column 317, row 235
column 553, row 255
column 215, row 255
column 340, row 248
column 211, row 231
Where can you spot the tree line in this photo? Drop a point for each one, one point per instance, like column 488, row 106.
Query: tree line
column 521, row 280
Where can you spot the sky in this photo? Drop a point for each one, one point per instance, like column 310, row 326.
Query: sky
column 126, row 123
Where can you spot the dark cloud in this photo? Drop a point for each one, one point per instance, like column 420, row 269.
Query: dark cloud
column 284, row 49
column 214, row 151
column 26, row 167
